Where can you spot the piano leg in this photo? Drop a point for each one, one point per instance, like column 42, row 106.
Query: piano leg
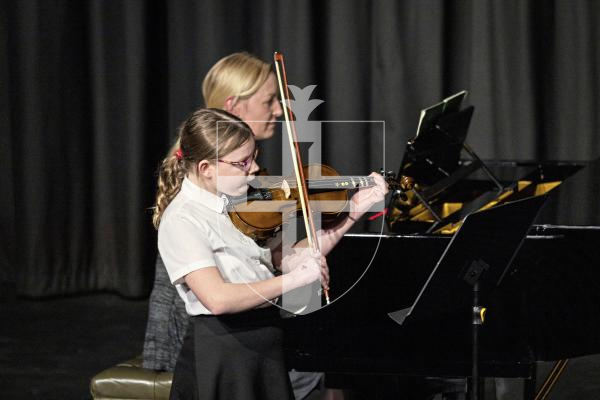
column 529, row 388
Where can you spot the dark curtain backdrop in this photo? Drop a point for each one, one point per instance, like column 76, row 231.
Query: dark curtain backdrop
column 92, row 92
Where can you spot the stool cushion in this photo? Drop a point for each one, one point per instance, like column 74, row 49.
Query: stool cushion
column 129, row 381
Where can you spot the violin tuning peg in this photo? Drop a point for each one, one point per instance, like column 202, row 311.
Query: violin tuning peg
column 402, row 195
column 386, row 173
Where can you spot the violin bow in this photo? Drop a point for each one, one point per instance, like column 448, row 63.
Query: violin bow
column 296, row 158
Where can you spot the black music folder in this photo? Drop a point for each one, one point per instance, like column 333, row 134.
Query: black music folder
column 481, row 251
column 430, row 114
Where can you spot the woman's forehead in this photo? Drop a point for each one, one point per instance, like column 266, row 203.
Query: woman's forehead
column 269, row 88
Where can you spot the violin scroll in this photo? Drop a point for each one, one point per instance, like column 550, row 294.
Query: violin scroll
column 398, row 187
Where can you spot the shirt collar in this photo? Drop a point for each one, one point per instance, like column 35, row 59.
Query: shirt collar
column 210, row 200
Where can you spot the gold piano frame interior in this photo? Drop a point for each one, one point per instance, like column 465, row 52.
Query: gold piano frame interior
column 410, row 209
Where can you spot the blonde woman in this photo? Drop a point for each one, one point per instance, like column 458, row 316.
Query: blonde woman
column 245, row 86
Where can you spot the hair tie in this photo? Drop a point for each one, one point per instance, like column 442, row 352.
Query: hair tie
column 179, row 154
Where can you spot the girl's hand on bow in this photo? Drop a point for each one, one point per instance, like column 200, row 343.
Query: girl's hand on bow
column 304, row 266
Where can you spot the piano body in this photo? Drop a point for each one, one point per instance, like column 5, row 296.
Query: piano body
column 545, row 309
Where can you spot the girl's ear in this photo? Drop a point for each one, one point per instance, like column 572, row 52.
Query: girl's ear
column 205, row 168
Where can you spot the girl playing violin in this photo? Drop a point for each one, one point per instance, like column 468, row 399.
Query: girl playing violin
column 244, row 85
column 233, row 346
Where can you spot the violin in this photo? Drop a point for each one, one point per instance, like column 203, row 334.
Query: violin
column 262, row 212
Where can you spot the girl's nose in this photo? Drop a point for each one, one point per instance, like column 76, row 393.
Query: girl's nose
column 254, row 168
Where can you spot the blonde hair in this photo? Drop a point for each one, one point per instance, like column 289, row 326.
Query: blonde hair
column 198, row 140
column 239, row 75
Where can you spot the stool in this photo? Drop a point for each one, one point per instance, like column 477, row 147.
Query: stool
column 129, row 381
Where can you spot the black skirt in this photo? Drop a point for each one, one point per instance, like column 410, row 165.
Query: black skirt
column 233, row 357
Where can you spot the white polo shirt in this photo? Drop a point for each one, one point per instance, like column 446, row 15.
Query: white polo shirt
column 195, row 232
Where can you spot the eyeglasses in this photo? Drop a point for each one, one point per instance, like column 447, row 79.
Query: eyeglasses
column 244, row 165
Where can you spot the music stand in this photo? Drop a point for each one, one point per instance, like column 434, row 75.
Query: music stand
column 474, row 262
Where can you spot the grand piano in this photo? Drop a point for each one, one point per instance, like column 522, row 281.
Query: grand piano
column 545, row 309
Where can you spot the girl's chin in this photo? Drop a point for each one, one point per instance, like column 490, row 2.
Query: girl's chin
column 237, row 192
column 244, row 190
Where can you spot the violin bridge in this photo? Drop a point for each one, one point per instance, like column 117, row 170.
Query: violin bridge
column 285, row 186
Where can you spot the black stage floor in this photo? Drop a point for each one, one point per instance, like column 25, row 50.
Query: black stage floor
column 50, row 348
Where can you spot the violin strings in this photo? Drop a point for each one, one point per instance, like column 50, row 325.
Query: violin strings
column 351, row 181
column 328, row 183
